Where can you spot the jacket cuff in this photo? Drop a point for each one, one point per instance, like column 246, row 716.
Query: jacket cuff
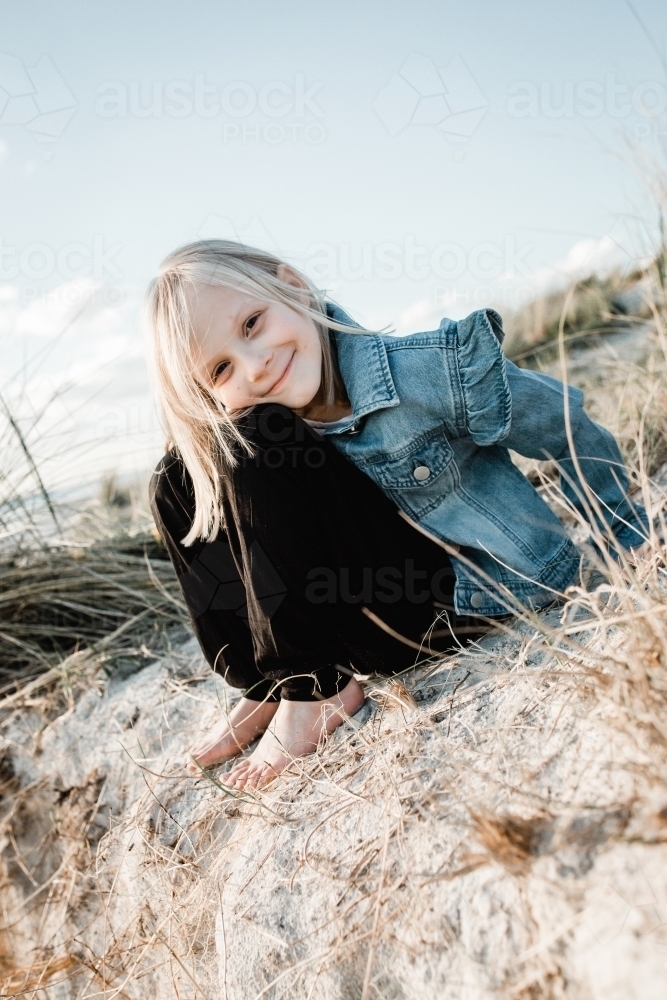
column 481, row 365
column 630, row 535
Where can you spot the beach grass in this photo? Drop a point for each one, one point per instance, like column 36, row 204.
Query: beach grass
column 438, row 760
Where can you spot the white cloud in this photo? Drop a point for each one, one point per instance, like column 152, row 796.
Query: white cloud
column 70, row 336
column 84, row 395
column 48, row 315
column 422, row 315
column 587, row 257
column 626, row 246
column 601, row 256
column 9, row 308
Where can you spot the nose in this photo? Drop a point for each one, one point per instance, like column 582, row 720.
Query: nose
column 257, row 365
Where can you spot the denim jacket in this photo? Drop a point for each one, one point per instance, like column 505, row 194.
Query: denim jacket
column 434, row 417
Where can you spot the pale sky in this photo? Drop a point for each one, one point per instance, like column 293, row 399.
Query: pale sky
column 419, row 159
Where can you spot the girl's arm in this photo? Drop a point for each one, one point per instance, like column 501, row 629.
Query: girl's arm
column 538, row 430
column 213, row 590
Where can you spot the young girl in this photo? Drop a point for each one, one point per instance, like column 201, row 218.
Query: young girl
column 330, row 492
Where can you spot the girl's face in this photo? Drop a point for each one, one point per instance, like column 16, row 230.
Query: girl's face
column 251, row 351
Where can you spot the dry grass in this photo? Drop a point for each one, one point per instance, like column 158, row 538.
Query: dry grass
column 598, row 306
column 451, row 832
column 104, row 578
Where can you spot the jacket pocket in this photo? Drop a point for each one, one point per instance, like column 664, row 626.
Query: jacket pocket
column 419, row 475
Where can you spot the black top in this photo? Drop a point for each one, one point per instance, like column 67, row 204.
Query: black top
column 309, row 541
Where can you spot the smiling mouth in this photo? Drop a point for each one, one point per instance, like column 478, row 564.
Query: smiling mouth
column 277, row 384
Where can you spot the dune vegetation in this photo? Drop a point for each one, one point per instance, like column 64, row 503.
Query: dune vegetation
column 493, row 823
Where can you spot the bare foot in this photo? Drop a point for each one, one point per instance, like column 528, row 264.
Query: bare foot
column 232, row 734
column 294, row 732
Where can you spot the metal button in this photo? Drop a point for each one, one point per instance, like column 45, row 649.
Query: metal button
column 421, row 473
column 477, row 599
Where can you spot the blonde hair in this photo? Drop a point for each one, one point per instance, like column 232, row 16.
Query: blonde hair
column 203, row 433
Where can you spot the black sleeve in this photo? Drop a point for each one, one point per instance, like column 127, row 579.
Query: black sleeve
column 210, row 580
column 289, row 520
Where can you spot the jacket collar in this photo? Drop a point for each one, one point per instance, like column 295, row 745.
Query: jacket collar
column 363, row 364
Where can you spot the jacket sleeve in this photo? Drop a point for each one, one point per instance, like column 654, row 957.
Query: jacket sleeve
column 538, row 430
column 487, row 403
column 211, row 584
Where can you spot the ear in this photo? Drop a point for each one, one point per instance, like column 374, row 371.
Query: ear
column 290, row 277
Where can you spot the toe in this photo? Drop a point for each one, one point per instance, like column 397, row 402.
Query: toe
column 254, row 776
column 233, row 784
column 251, row 779
column 233, row 777
column 266, row 776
